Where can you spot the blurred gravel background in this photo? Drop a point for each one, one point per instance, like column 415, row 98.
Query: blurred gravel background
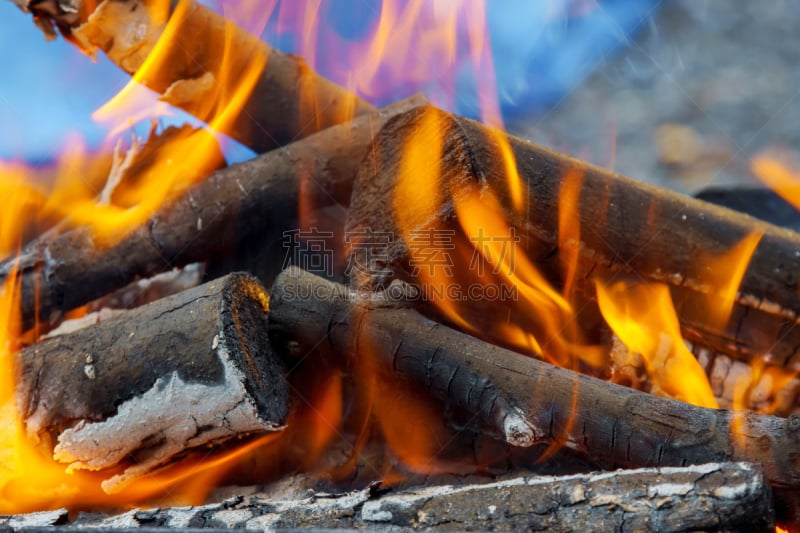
column 705, row 85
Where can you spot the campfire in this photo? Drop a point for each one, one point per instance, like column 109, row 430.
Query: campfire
column 391, row 317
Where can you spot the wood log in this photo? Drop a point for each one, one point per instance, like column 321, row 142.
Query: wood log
column 623, row 230
column 187, row 370
column 710, row 497
column 715, row 497
column 761, row 203
column 523, row 400
column 205, row 55
column 258, row 200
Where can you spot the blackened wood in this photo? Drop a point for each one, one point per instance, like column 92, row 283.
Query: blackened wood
column 184, row 371
column 252, row 203
column 628, row 230
column 289, row 100
column 710, row 497
column 522, row 399
column 763, row 204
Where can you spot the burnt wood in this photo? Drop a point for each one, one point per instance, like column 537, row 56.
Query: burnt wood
column 249, row 205
column 761, row 203
column 709, row 497
column 289, row 100
column 187, row 370
column 628, row 231
column 523, row 400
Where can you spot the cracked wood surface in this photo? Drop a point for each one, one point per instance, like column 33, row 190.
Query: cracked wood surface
column 206, row 55
column 187, row 370
column 708, row 497
column 598, row 419
column 623, row 230
column 246, row 206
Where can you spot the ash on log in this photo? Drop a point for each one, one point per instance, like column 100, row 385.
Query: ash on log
column 205, row 54
column 628, row 231
column 191, row 369
column 248, row 205
column 522, row 399
column 709, row 497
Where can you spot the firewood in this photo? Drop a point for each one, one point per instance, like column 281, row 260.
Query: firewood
column 522, row 399
column 187, row 370
column 728, row 496
column 761, row 203
column 206, row 52
column 628, row 230
column 709, row 497
column 255, row 200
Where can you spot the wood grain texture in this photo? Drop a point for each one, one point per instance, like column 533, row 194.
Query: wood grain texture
column 237, row 211
column 595, row 418
column 627, row 231
column 205, row 53
column 190, row 369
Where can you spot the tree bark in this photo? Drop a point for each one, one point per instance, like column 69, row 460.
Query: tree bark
column 207, row 53
column 709, row 497
column 522, row 399
column 626, row 230
column 187, row 370
column 718, row 497
column 251, row 205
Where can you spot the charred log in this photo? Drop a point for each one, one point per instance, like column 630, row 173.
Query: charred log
column 710, row 497
column 187, row 370
column 624, row 230
column 254, row 202
column 522, row 399
column 205, row 54
column 696, row 498
column 761, row 203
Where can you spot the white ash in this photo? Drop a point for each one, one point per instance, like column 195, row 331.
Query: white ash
column 40, row 519
column 74, row 324
column 119, row 166
column 669, row 489
column 121, row 521
column 199, row 414
column 368, row 509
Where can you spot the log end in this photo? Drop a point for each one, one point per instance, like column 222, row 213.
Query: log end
column 189, row 370
column 245, row 333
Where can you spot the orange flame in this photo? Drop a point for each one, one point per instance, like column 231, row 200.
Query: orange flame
column 778, row 171
column 30, row 479
column 725, row 274
column 532, row 310
column 643, row 317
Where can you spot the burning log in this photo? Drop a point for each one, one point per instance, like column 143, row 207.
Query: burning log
column 623, row 230
column 203, row 53
column 188, row 370
column 719, row 497
column 522, row 399
column 257, row 200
